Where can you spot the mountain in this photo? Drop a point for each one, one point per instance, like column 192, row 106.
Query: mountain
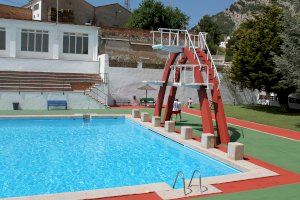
column 241, row 10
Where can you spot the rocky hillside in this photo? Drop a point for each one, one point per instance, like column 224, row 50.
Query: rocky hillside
column 241, row 10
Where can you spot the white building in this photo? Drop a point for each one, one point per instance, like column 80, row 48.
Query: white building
column 39, row 41
column 33, row 46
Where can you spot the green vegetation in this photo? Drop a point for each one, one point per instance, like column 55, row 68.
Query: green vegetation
column 288, row 62
column 214, row 36
column 152, row 14
column 230, row 49
column 290, row 192
column 272, row 116
column 224, row 22
column 253, row 66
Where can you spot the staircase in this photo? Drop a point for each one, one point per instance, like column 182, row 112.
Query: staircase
column 99, row 92
column 188, row 52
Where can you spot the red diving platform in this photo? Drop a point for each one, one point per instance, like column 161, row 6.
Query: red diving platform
column 190, row 53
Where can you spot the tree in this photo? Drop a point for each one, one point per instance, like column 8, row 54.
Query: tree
column 214, row 36
column 230, row 49
column 152, row 14
column 253, row 66
column 288, row 63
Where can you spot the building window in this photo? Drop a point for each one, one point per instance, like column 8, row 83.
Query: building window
column 34, row 40
column 2, row 38
column 76, row 43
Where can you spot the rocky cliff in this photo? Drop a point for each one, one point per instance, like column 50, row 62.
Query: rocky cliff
column 241, row 10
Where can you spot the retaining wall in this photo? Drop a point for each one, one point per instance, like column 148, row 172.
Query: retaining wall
column 38, row 100
column 125, row 81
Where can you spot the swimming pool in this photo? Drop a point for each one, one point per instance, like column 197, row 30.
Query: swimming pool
column 53, row 155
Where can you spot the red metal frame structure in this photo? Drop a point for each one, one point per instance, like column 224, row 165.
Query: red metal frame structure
column 192, row 51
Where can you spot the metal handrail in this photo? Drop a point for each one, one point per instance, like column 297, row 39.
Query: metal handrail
column 190, row 42
column 209, row 56
column 100, row 92
column 105, row 78
column 180, row 173
column 200, row 179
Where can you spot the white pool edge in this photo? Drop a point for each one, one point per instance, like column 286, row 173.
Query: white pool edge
column 248, row 169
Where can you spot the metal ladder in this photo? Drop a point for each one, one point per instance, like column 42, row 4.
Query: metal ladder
column 180, row 173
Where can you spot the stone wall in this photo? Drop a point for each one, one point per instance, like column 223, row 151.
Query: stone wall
column 130, row 48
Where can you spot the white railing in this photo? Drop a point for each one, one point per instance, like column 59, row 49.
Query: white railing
column 185, row 70
column 209, row 57
column 181, row 38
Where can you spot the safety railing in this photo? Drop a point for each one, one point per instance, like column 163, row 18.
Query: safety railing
column 183, row 69
column 199, row 178
column 181, row 38
column 209, row 57
column 180, row 174
column 190, row 185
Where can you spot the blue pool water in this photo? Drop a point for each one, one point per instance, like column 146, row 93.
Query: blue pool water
column 42, row 156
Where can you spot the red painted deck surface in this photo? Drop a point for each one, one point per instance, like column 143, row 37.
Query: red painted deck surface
column 255, row 126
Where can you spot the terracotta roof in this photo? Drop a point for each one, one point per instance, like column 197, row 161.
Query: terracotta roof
column 11, row 12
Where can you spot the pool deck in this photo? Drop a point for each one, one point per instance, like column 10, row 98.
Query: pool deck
column 280, row 132
column 249, row 171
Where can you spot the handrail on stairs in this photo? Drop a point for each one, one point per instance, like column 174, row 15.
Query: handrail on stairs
column 209, row 57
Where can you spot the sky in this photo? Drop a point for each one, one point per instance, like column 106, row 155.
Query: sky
column 193, row 8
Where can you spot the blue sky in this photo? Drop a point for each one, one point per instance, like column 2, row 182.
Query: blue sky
column 194, row 8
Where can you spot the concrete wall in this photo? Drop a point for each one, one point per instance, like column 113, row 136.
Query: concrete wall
column 125, row 81
column 43, row 65
column 38, row 100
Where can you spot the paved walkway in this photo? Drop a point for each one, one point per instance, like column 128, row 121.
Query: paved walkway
column 294, row 135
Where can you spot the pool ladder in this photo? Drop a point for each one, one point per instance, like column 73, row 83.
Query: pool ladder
column 188, row 187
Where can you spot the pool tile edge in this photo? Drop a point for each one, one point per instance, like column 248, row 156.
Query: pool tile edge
column 101, row 193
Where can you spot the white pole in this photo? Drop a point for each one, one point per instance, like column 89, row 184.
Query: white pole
column 56, row 11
